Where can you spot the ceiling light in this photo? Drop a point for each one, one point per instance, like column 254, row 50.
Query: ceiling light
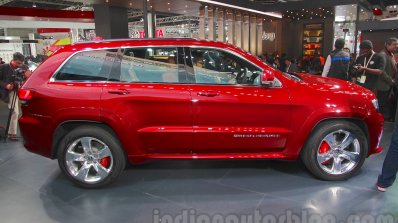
column 34, row 5
column 273, row 14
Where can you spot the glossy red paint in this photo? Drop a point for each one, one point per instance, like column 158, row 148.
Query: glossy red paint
column 193, row 121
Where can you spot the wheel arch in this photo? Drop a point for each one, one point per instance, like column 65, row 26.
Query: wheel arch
column 62, row 129
column 358, row 122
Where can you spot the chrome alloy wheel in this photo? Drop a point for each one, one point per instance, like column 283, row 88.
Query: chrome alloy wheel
column 89, row 160
column 339, row 152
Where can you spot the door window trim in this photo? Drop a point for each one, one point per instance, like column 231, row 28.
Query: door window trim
column 123, row 48
column 52, row 79
column 279, row 83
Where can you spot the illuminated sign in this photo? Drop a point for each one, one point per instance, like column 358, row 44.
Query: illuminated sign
column 136, row 34
column 269, row 36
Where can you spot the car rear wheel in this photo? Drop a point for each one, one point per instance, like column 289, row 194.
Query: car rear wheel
column 336, row 150
column 91, row 157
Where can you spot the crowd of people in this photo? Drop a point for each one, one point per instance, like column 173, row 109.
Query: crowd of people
column 306, row 64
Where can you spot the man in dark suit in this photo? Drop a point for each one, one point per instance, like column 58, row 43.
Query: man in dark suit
column 290, row 66
column 386, row 82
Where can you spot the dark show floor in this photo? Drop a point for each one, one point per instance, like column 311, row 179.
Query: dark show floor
column 32, row 189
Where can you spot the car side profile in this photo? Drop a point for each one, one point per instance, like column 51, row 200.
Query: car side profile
column 95, row 106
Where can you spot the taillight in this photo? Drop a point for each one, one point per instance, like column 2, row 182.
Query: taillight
column 24, row 95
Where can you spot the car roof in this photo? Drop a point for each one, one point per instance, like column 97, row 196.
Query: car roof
column 114, row 43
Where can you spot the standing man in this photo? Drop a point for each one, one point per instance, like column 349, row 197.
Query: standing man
column 290, row 66
column 368, row 67
column 385, row 85
column 316, row 64
column 338, row 62
column 9, row 89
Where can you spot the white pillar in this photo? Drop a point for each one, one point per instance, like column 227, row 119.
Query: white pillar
column 74, row 35
column 33, row 50
column 150, row 25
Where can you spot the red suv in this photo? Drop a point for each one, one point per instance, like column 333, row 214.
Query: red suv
column 97, row 105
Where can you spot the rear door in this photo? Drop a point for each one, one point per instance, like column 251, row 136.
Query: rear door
column 233, row 112
column 148, row 101
column 75, row 90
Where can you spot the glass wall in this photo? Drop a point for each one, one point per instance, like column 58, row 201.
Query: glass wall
column 345, row 24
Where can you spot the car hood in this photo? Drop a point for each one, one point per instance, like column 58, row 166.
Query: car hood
column 333, row 85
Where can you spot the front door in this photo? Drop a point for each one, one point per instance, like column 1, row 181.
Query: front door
column 233, row 112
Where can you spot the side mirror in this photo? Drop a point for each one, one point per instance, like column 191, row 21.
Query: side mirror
column 267, row 77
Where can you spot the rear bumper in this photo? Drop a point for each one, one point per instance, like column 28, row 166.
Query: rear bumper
column 37, row 134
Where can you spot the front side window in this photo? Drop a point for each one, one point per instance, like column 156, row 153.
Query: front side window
column 213, row 66
column 88, row 66
column 149, row 64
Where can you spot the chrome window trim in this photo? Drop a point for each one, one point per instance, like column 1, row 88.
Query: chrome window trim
column 52, row 79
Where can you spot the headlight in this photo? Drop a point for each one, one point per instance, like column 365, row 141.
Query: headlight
column 375, row 103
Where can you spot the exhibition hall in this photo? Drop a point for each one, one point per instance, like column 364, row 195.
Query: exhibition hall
column 198, row 111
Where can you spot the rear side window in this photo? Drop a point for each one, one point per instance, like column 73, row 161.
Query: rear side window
column 88, row 66
column 150, row 64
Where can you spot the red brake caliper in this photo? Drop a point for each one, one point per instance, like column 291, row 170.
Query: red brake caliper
column 324, row 148
column 105, row 162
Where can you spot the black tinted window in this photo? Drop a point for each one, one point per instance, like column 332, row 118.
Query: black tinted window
column 88, row 66
column 150, row 64
column 219, row 67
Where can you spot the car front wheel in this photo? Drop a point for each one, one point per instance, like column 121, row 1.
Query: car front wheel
column 336, row 150
column 91, row 157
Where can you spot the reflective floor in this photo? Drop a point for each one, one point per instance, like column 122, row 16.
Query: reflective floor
column 32, row 189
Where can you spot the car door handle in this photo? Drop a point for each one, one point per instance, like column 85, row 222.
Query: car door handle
column 119, row 92
column 208, row 94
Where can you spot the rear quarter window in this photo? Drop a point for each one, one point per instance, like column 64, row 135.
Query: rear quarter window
column 88, row 66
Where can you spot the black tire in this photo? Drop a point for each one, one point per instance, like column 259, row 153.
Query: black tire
column 118, row 158
column 309, row 154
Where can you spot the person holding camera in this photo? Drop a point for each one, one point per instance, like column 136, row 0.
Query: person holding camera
column 9, row 81
column 368, row 67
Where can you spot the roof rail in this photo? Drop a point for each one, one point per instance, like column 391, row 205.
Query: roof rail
column 142, row 39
